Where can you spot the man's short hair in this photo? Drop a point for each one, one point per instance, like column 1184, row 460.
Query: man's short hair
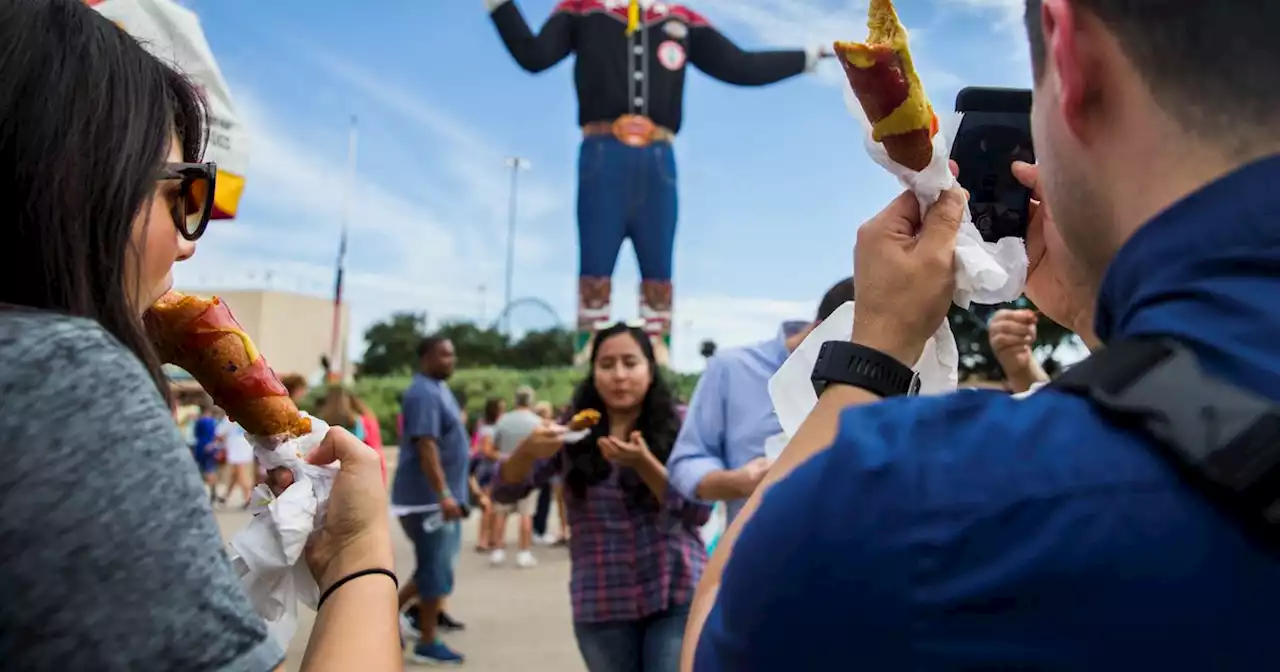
column 428, row 345
column 839, row 294
column 1210, row 64
column 524, row 396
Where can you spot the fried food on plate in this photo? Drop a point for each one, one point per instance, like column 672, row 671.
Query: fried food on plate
column 887, row 86
column 201, row 336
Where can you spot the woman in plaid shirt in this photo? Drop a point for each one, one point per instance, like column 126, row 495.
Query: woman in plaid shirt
column 634, row 542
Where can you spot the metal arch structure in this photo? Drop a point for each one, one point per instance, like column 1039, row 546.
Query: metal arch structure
column 500, row 320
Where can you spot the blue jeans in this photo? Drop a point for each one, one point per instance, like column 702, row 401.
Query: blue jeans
column 435, row 552
column 649, row 645
column 626, row 192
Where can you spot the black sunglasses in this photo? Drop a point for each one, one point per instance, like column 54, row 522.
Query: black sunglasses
column 194, row 203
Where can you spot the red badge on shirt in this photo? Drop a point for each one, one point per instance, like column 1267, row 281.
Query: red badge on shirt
column 671, row 55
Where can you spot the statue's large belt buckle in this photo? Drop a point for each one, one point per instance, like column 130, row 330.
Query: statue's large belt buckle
column 634, row 130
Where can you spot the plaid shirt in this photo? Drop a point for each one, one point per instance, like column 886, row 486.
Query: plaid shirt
column 626, row 564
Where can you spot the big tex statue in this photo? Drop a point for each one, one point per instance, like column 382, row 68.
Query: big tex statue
column 630, row 71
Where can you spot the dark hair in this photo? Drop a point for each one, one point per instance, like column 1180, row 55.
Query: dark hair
column 839, row 294
column 492, row 408
column 1210, row 64
column 428, row 345
column 293, row 382
column 86, row 116
column 658, row 423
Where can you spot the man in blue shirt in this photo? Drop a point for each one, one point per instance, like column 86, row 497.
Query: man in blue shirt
column 430, row 489
column 719, row 454
column 978, row 531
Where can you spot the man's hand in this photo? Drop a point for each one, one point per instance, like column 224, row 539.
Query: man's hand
column 1055, row 281
column 1012, row 333
column 749, row 475
column 904, row 274
column 450, row 508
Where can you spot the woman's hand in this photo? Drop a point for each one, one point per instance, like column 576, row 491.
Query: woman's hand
column 544, row 441
column 631, row 453
column 356, row 533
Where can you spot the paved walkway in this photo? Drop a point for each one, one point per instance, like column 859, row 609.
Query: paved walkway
column 517, row 619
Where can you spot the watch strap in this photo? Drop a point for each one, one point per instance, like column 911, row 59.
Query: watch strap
column 846, row 363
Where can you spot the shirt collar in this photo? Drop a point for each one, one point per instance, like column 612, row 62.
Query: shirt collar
column 1180, row 245
column 777, row 348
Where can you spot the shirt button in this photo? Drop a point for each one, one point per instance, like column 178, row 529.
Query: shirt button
column 639, row 50
column 639, row 101
column 639, row 76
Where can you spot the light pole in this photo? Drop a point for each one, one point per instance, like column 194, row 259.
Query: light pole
column 516, row 164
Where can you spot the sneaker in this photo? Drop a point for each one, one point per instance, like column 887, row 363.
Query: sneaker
column 436, row 654
column 544, row 539
column 448, row 623
column 497, row 557
column 408, row 626
column 525, row 560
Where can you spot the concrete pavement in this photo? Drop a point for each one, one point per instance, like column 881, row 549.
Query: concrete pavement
column 517, row 619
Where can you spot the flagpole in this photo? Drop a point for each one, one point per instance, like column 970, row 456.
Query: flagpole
column 336, row 356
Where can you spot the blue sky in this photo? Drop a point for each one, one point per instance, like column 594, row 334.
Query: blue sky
column 774, row 181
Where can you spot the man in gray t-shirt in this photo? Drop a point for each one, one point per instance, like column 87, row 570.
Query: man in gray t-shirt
column 508, row 432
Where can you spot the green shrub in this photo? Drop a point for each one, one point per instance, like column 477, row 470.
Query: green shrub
column 553, row 385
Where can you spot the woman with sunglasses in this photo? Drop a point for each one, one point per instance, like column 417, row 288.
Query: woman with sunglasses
column 112, row 559
column 634, row 541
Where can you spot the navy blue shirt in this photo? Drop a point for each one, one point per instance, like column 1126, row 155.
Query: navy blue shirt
column 430, row 411
column 977, row 531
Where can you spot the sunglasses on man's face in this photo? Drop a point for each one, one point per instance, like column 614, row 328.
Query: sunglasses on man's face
column 193, row 204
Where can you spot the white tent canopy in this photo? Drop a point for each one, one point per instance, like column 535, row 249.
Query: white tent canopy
column 172, row 33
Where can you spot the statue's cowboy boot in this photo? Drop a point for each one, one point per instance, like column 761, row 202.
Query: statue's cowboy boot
column 655, row 310
column 593, row 314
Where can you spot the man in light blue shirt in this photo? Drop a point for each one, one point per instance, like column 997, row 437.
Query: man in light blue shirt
column 719, row 455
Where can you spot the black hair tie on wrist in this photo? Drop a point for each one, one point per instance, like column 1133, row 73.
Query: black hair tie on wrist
column 353, row 576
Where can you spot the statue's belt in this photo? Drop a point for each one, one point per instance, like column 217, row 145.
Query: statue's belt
column 632, row 130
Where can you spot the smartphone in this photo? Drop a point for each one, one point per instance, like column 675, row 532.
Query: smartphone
column 994, row 132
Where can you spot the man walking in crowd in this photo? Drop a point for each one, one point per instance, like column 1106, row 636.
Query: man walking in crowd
column 979, row 531
column 719, row 455
column 430, row 490
column 511, row 429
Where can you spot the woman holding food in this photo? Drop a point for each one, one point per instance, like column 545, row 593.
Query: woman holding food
column 98, row 144
column 634, row 545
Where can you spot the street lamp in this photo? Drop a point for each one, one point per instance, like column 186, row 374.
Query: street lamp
column 516, row 164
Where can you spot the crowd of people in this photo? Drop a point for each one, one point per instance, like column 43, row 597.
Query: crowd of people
column 972, row 530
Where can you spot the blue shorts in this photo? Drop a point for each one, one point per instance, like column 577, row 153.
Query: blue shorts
column 435, row 552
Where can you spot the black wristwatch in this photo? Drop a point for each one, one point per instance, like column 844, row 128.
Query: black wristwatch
column 845, row 363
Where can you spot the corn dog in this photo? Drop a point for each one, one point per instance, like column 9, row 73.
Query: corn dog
column 201, row 336
column 889, row 90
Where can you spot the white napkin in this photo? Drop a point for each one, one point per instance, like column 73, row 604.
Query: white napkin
column 267, row 554
column 986, row 273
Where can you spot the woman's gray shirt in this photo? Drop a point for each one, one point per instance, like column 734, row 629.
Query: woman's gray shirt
column 110, row 558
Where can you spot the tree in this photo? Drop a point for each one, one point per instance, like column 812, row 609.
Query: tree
column 393, row 345
column 976, row 357
column 708, row 349
column 476, row 346
column 541, row 349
